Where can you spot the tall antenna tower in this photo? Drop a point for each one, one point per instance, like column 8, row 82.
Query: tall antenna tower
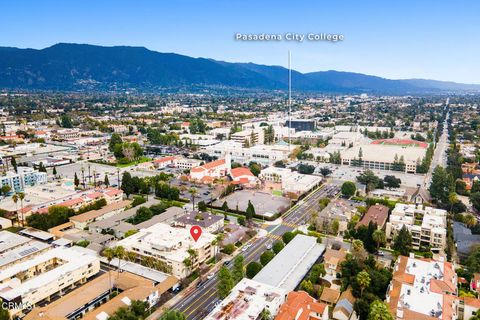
column 289, row 98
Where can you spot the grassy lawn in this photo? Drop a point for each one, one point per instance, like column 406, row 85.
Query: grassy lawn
column 277, row 193
column 133, row 163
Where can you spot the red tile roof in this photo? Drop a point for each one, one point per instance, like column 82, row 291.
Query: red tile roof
column 299, row 301
column 237, row 172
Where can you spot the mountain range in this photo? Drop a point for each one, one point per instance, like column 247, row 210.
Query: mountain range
column 72, row 67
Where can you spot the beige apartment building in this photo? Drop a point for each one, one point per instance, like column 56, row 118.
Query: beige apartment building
column 171, row 246
column 28, row 282
column 427, row 225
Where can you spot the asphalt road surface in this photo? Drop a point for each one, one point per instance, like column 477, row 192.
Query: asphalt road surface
column 201, row 301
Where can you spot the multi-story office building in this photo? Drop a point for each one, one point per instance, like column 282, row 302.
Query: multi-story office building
column 301, row 125
column 263, row 154
column 249, row 137
column 384, row 157
column 427, row 225
column 24, row 176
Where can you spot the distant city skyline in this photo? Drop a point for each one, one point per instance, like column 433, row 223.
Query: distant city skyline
column 409, row 39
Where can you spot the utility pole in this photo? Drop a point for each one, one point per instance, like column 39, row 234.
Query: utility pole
column 89, row 175
column 289, row 98
column 118, row 178
column 83, row 177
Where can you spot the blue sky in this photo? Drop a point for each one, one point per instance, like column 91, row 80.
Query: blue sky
column 407, row 39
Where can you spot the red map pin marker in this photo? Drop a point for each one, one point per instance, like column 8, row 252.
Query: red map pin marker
column 195, row 232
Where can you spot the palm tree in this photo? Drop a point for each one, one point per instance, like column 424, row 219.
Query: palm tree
column 119, row 253
column 363, row 280
column 357, row 248
column 379, row 237
column 21, row 196
column 109, row 253
column 15, row 199
column 193, row 192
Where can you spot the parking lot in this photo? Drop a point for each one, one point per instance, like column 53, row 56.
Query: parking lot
column 68, row 171
column 347, row 173
column 264, row 203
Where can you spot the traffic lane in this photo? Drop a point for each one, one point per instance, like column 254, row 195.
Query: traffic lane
column 203, row 296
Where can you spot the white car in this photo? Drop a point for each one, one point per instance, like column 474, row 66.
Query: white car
column 210, row 276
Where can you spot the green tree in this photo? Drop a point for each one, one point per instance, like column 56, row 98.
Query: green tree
column 115, row 139
column 106, row 182
column 13, row 161
column 335, row 226
column 473, row 260
column 379, row 237
column 287, row 237
column 4, row 314
column 229, row 248
column 277, row 246
column 255, row 168
column 266, row 257
column 252, row 269
column 136, row 310
column 238, row 272
column 127, row 184
column 202, row 206
column 363, row 280
column 193, row 193
column 307, row 286
column 76, row 181
column 250, row 213
column 225, row 282
column 392, row 182
column 242, row 221
column 439, row 187
column 369, row 179
column 348, row 189
column 66, row 121
column 475, row 200
column 6, row 189
column 173, row 315
column 379, row 311
column 317, row 271
column 54, row 171
column 402, row 243
column 470, row 220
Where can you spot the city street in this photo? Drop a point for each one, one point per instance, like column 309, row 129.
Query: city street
column 440, row 154
column 199, row 302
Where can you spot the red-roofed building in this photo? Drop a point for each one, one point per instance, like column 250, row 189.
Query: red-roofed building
column 164, row 162
column 214, row 169
column 376, row 214
column 423, row 289
column 243, row 176
column 301, row 306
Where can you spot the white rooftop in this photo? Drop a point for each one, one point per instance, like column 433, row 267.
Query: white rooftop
column 291, row 264
column 72, row 258
column 418, row 297
column 171, row 242
column 9, row 240
column 247, row 300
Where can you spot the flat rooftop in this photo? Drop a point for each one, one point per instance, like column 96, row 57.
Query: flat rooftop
column 73, row 258
column 139, row 270
column 171, row 242
column 247, row 300
column 290, row 265
column 9, row 240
